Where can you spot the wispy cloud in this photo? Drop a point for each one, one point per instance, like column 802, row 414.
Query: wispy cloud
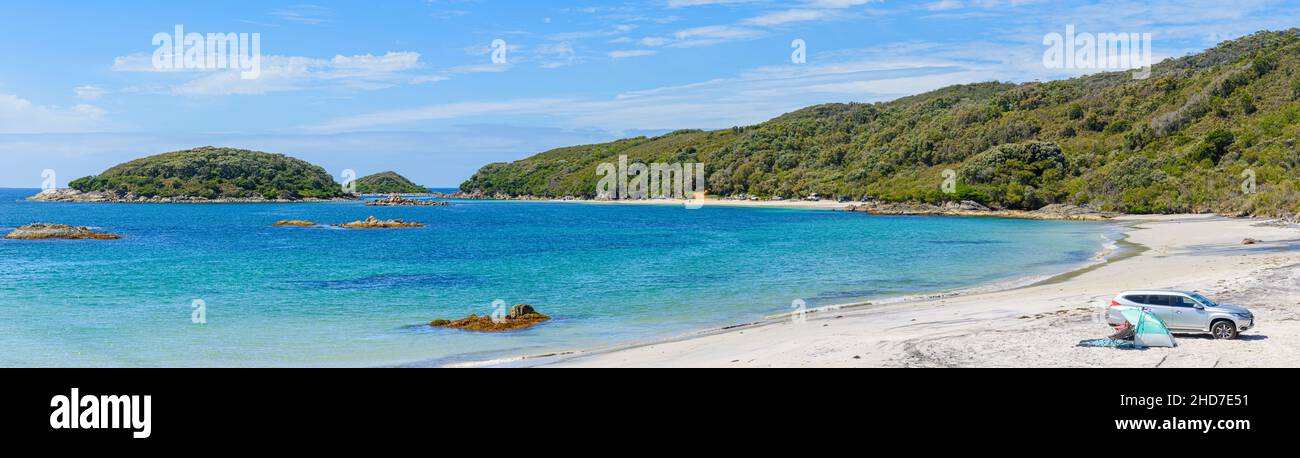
column 305, row 14
column 90, row 92
column 624, row 54
column 294, row 73
column 689, row 3
column 747, row 98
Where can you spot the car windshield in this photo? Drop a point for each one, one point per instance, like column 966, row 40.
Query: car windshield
column 1204, row 300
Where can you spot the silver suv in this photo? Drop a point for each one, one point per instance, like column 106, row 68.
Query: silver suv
column 1185, row 312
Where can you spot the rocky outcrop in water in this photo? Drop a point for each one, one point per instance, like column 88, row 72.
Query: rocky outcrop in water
column 375, row 223
column 295, row 223
column 521, row 316
column 399, row 201
column 43, row 231
column 72, row 195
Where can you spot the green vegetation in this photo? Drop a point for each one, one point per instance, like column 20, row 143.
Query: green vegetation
column 1179, row 141
column 388, row 183
column 214, row 173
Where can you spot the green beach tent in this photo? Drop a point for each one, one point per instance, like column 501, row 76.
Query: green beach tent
column 1150, row 330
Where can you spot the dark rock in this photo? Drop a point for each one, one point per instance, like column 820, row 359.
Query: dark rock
column 520, row 310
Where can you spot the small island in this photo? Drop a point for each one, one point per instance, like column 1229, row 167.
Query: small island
column 205, row 175
column 521, row 316
column 45, row 231
column 389, row 183
column 399, row 201
column 375, row 223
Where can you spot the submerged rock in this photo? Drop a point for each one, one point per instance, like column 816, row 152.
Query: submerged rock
column 399, row 201
column 521, row 316
column 375, row 223
column 295, row 223
column 43, row 231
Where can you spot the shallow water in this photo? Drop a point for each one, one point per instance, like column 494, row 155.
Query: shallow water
column 608, row 274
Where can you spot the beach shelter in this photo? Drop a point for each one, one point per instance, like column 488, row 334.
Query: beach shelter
column 1149, row 329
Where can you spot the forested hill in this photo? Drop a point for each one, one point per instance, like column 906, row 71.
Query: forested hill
column 1183, row 140
column 388, row 183
column 215, row 173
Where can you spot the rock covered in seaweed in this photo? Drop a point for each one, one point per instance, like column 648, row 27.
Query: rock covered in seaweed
column 295, row 223
column 45, row 231
column 521, row 316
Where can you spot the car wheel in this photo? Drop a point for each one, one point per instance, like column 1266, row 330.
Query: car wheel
column 1223, row 330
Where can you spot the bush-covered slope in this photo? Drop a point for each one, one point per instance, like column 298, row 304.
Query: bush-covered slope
column 1179, row 141
column 388, row 183
column 214, row 173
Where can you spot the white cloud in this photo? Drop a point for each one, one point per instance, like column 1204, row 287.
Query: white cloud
column 750, row 97
column 703, row 36
column 688, row 3
column 294, row 73
column 18, row 115
column 435, row 112
column 788, row 16
column 554, row 55
column 838, row 3
column 89, row 92
column 623, row 54
column 305, row 14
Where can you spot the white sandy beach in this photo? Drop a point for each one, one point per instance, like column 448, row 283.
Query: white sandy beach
column 1036, row 326
column 786, row 204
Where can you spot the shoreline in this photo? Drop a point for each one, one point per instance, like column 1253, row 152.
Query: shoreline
column 1114, row 250
column 959, row 210
column 1033, row 325
column 72, row 196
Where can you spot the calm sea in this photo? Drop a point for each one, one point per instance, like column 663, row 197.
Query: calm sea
column 608, row 274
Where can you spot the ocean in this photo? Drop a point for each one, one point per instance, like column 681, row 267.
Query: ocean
column 608, row 275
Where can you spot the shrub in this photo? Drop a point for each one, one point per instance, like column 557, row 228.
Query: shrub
column 1215, row 145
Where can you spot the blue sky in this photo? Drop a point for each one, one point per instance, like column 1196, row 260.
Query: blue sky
column 410, row 85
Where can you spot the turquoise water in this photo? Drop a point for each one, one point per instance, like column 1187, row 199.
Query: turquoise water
column 331, row 297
